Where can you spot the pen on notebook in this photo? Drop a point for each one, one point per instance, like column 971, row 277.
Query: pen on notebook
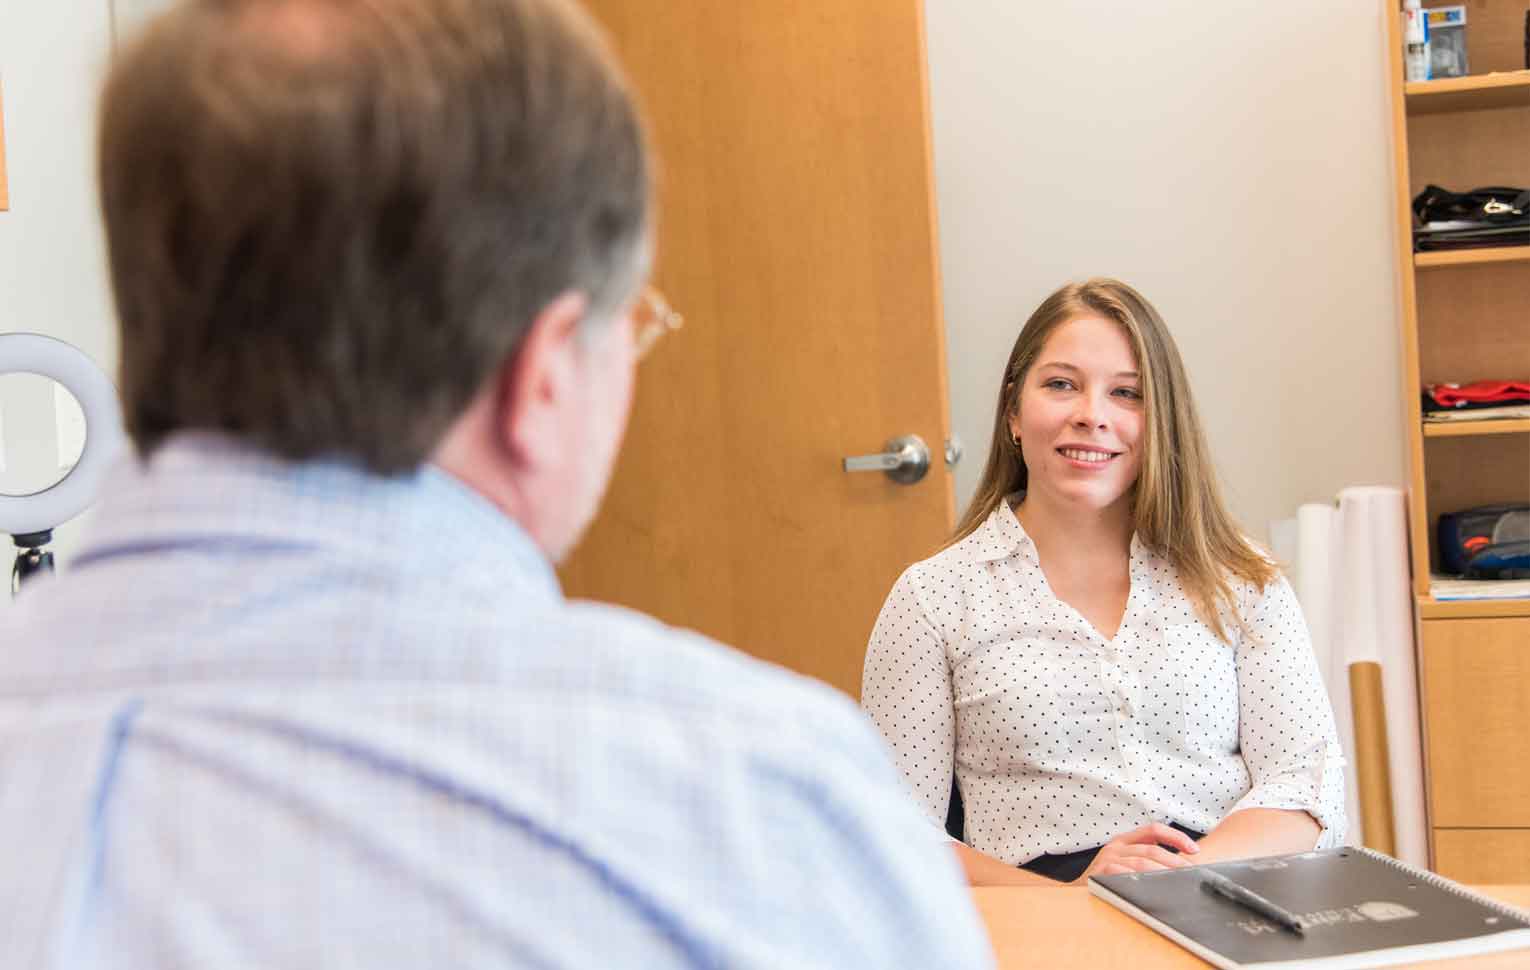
column 1215, row 882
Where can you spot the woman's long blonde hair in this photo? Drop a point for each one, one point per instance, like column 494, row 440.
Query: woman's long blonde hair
column 1176, row 503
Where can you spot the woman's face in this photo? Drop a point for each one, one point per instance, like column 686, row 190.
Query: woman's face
column 1080, row 416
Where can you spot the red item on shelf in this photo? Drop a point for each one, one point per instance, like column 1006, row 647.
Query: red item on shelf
column 1478, row 392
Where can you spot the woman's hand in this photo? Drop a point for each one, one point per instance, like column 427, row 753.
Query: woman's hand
column 1141, row 850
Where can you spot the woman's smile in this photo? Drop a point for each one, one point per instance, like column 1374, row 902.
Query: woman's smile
column 1087, row 457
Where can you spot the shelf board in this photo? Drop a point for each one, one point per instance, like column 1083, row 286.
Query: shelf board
column 1462, row 429
column 1431, row 609
column 1471, row 257
column 1477, row 92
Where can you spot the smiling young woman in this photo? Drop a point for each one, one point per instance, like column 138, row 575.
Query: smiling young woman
column 1113, row 675
column 1175, row 503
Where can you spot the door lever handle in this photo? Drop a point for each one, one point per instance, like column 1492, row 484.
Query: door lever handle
column 905, row 460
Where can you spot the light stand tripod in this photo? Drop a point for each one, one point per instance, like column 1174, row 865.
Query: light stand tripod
column 31, row 518
column 31, row 558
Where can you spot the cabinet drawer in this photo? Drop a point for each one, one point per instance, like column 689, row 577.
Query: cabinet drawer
column 1476, row 701
column 1483, row 857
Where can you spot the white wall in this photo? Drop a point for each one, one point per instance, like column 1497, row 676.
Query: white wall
column 1229, row 160
column 52, row 258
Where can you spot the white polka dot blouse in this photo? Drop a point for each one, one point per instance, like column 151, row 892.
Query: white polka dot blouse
column 1060, row 739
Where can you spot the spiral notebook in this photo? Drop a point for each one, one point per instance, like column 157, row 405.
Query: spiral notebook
column 1357, row 908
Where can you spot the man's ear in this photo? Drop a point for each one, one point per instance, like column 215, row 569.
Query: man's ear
column 533, row 406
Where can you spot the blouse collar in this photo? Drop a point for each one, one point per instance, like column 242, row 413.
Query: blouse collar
column 1001, row 536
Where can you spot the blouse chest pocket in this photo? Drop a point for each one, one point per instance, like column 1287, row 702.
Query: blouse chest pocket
column 1207, row 685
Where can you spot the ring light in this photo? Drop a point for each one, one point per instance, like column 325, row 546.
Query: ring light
column 71, row 495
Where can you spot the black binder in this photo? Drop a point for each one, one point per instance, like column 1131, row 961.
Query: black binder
column 1357, row 908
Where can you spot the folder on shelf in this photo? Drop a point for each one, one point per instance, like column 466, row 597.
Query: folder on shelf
column 1426, row 239
column 1508, row 412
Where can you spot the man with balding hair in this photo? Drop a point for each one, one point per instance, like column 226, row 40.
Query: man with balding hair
column 310, row 695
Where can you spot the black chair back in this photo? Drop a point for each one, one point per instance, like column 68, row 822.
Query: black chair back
column 956, row 819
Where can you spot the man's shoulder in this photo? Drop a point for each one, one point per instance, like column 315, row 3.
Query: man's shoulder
column 586, row 656
column 689, row 674
column 577, row 742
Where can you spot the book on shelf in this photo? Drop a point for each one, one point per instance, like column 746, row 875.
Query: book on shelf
column 1352, row 907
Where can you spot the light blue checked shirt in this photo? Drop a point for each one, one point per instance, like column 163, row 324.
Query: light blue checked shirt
column 297, row 716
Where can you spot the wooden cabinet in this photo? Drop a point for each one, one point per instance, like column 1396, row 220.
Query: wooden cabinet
column 1482, row 857
column 1465, row 316
column 1476, row 706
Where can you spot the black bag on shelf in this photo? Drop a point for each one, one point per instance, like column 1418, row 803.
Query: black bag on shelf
column 1488, row 542
column 1489, row 216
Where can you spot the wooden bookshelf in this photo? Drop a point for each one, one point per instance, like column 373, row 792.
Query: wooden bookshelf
column 1464, row 316
column 1478, row 92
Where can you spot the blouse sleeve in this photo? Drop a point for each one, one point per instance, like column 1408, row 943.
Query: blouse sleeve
column 906, row 689
column 1285, row 721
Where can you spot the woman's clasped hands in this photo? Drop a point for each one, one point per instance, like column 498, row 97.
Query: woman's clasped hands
column 1143, row 849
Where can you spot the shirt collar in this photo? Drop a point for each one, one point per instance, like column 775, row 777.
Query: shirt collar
column 1001, row 536
column 202, row 487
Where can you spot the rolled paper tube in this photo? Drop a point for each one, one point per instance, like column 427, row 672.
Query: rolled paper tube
column 1375, row 776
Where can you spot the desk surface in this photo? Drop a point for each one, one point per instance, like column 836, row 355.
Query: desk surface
column 1067, row 929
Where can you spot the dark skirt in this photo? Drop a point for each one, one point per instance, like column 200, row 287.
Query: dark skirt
column 1070, row 865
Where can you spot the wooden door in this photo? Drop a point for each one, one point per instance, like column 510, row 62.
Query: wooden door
column 797, row 238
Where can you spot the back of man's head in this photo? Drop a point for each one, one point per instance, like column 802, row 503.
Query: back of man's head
column 330, row 221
